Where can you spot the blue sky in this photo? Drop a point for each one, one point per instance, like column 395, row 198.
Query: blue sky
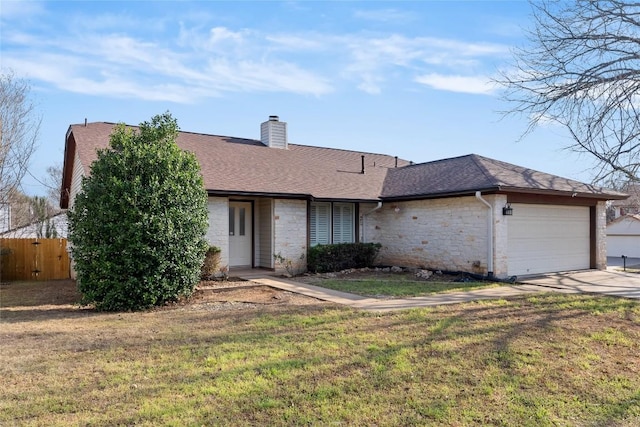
column 405, row 78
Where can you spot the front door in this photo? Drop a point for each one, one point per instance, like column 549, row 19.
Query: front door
column 240, row 233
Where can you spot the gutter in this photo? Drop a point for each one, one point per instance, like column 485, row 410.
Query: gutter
column 489, row 234
column 364, row 221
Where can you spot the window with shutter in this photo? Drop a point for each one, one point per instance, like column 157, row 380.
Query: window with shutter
column 331, row 223
column 343, row 230
column 320, row 224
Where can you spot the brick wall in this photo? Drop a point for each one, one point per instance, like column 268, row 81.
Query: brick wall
column 290, row 234
column 218, row 233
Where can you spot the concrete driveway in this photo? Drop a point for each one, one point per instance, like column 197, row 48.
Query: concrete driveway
column 612, row 281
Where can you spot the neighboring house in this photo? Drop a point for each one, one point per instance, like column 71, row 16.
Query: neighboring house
column 629, row 206
column 270, row 200
column 623, row 236
column 57, row 224
column 5, row 217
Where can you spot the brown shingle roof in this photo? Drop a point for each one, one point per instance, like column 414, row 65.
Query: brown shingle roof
column 470, row 173
column 237, row 166
column 245, row 166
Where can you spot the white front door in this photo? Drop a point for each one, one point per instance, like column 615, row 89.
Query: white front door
column 240, row 233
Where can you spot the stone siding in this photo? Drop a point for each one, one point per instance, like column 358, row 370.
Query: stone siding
column 500, row 235
column 601, row 235
column 441, row 234
column 290, row 236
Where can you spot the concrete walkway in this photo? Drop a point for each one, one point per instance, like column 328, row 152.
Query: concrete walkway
column 605, row 282
column 375, row 304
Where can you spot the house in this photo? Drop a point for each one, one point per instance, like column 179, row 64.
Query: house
column 623, row 236
column 5, row 217
column 629, row 206
column 57, row 228
column 270, row 200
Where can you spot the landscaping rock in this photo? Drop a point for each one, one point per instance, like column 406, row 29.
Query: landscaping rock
column 396, row 269
column 424, row 274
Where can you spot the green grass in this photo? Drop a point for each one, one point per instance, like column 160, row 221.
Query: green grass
column 543, row 360
column 400, row 288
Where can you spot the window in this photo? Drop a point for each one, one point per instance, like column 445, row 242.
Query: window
column 320, row 223
column 332, row 223
column 343, row 223
column 232, row 221
column 242, row 220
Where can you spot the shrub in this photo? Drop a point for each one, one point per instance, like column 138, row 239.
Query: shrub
column 341, row 256
column 138, row 224
column 211, row 262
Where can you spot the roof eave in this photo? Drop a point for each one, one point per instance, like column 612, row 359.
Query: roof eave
column 236, row 193
column 564, row 193
column 277, row 195
column 502, row 189
column 345, row 200
column 439, row 195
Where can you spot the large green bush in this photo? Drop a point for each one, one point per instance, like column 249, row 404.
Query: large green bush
column 137, row 227
column 341, row 256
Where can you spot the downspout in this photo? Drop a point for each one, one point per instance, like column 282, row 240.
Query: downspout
column 364, row 221
column 490, row 234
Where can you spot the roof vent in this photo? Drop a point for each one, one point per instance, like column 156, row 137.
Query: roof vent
column 273, row 133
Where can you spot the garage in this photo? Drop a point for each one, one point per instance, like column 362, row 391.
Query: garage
column 623, row 237
column 548, row 238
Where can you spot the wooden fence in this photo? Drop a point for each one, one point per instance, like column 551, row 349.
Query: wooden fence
column 34, row 259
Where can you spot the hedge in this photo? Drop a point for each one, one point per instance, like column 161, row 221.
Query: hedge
column 341, row 256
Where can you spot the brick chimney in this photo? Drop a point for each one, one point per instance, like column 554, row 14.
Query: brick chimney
column 273, row 133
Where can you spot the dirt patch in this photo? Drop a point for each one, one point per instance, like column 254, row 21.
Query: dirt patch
column 54, row 299
column 242, row 294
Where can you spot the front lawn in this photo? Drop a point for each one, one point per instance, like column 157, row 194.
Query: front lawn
column 378, row 284
column 400, row 289
column 542, row 360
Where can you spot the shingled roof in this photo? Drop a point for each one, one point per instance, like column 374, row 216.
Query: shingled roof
column 471, row 173
column 246, row 166
column 237, row 166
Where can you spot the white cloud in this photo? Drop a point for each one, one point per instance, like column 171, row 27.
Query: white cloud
column 266, row 76
column 479, row 85
column 370, row 84
column 375, row 60
column 200, row 61
column 219, row 34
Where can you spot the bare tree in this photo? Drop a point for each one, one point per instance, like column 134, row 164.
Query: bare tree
column 19, row 129
column 53, row 183
column 581, row 69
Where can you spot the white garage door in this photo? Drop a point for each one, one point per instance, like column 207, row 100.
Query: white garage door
column 548, row 238
column 623, row 245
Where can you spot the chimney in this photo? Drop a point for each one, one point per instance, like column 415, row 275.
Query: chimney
column 273, row 133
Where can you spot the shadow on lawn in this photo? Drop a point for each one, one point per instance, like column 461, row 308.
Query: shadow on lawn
column 37, row 301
